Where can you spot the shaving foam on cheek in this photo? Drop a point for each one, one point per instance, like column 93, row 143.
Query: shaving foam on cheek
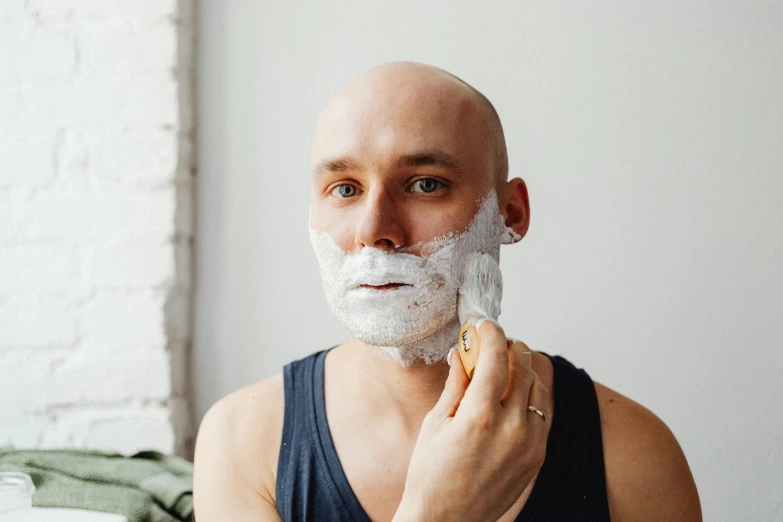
column 417, row 321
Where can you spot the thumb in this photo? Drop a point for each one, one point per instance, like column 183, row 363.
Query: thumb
column 456, row 384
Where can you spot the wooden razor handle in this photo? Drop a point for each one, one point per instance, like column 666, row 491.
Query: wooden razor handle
column 469, row 347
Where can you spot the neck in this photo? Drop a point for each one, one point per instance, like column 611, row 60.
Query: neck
column 404, row 382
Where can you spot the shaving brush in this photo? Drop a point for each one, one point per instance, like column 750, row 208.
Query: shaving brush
column 479, row 298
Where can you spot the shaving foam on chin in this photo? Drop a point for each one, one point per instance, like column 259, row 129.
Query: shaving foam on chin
column 417, row 321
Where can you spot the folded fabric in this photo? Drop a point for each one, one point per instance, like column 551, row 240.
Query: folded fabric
column 147, row 487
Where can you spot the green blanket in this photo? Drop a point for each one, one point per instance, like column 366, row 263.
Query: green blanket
column 147, row 487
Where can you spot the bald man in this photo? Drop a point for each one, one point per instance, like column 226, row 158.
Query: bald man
column 409, row 177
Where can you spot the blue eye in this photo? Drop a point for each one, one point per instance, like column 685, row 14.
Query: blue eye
column 426, row 185
column 344, row 191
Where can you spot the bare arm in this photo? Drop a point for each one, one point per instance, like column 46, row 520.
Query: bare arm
column 647, row 475
column 233, row 473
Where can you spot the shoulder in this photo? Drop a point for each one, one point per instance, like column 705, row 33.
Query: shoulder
column 241, row 433
column 647, row 475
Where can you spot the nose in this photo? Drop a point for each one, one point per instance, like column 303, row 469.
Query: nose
column 379, row 226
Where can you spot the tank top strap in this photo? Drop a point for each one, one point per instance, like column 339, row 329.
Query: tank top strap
column 305, row 487
column 578, row 477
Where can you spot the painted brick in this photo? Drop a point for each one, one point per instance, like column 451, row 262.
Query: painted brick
column 75, row 10
column 131, row 431
column 37, row 321
column 70, row 157
column 95, row 223
column 11, row 13
column 13, row 218
column 123, row 319
column 123, row 429
column 100, row 100
column 127, row 44
column 136, row 261
column 22, row 429
column 80, row 214
column 25, row 376
column 40, row 268
column 94, row 377
column 136, row 157
column 25, row 155
column 35, row 52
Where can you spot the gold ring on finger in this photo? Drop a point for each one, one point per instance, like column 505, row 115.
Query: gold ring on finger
column 536, row 410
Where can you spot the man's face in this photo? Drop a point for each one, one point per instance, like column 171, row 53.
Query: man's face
column 403, row 189
column 391, row 170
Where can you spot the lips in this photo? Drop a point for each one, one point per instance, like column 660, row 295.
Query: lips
column 387, row 286
column 381, row 281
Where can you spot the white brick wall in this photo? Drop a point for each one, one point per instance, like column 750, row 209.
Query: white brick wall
column 96, row 168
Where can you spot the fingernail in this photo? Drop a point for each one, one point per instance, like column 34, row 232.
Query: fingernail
column 448, row 357
column 478, row 325
column 481, row 321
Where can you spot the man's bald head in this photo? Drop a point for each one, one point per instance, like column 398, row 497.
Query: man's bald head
column 494, row 129
column 422, row 92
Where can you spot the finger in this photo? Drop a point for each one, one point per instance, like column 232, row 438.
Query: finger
column 490, row 377
column 456, row 384
column 538, row 428
column 520, row 376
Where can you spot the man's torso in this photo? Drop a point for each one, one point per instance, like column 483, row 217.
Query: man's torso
column 373, row 451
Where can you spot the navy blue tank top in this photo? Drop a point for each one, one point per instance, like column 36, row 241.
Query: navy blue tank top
column 311, row 483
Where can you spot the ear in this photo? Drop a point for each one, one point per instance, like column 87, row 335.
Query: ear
column 516, row 206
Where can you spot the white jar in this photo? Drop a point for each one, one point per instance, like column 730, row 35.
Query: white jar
column 16, row 496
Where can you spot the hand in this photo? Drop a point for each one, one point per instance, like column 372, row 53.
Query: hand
column 479, row 447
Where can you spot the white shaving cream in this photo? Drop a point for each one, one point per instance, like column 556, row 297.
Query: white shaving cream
column 417, row 321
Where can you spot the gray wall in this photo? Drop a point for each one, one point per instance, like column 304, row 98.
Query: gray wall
column 650, row 135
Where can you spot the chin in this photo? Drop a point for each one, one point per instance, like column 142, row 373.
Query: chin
column 429, row 348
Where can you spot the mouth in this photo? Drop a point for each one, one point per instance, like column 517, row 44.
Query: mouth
column 388, row 286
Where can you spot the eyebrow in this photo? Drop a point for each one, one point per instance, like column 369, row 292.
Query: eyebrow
column 433, row 157
column 341, row 164
column 436, row 158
